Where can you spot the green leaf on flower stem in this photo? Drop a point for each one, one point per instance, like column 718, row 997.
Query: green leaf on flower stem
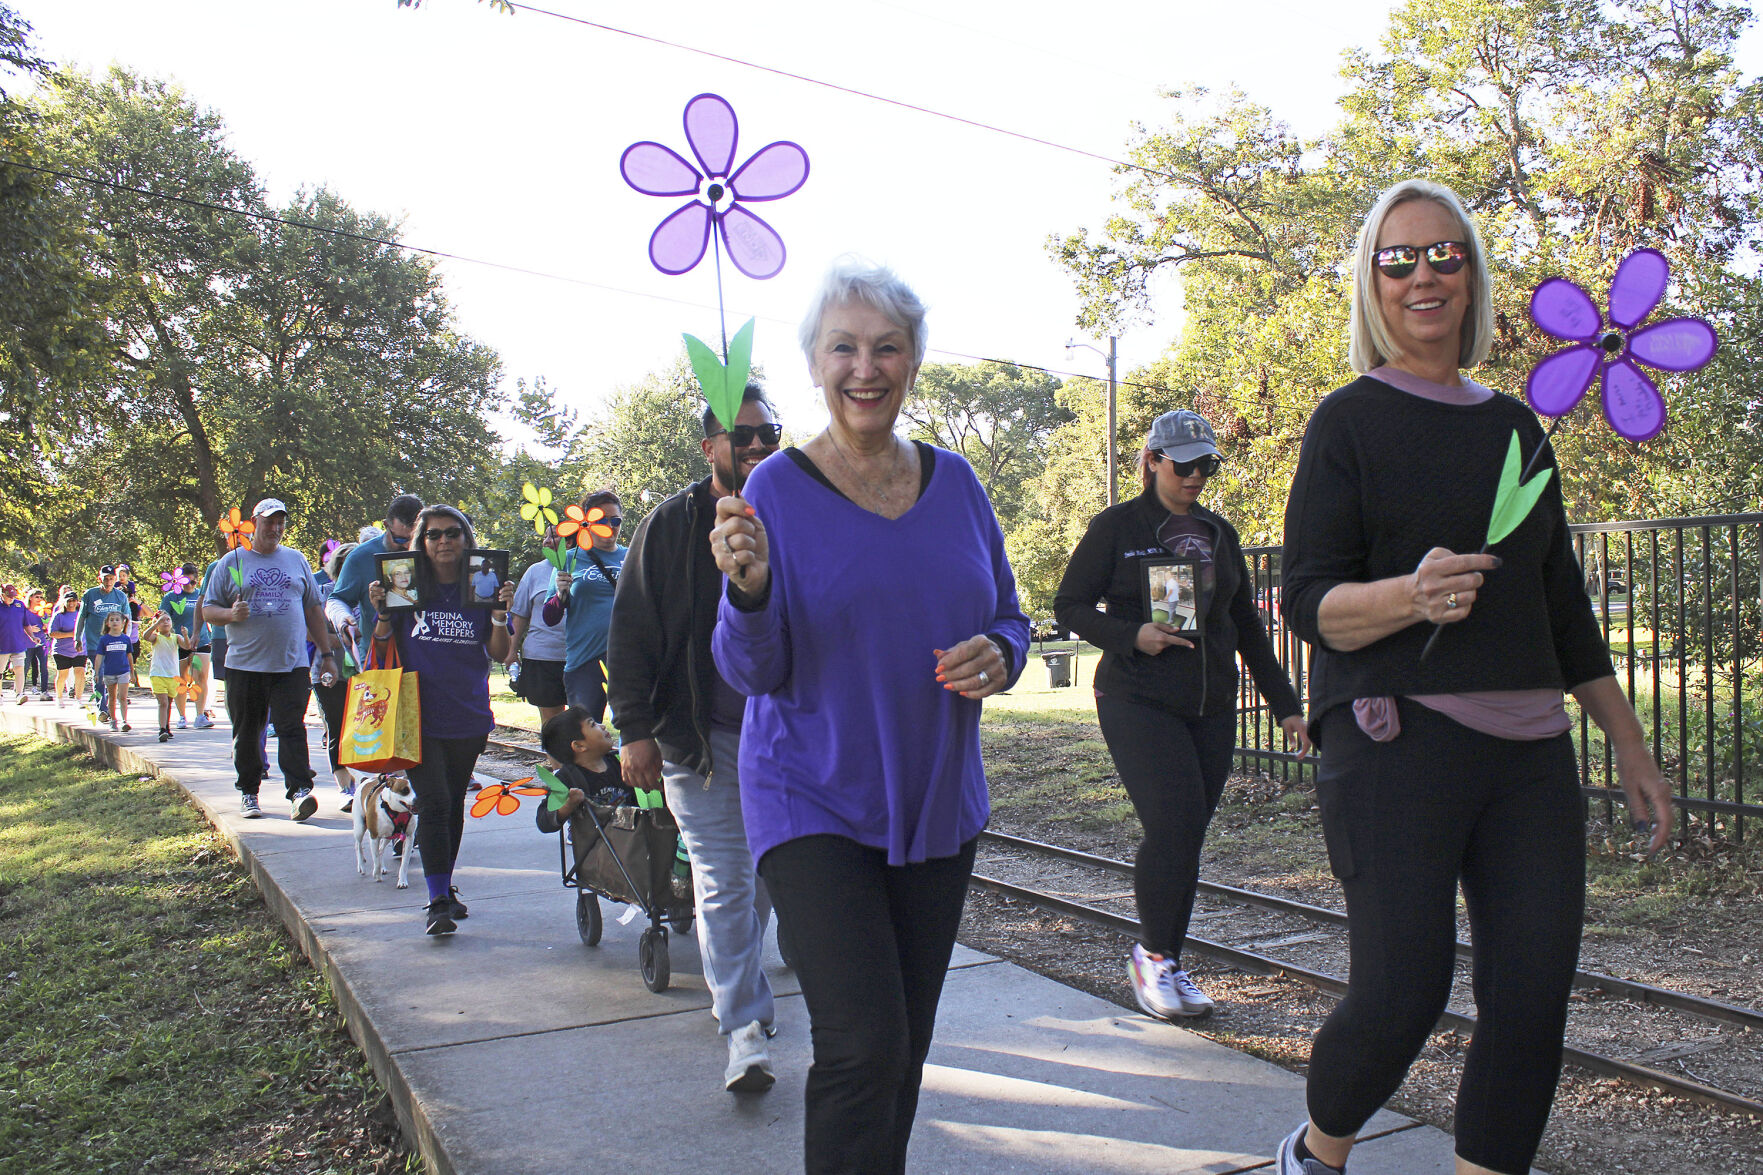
column 723, row 385
column 1513, row 501
column 557, row 792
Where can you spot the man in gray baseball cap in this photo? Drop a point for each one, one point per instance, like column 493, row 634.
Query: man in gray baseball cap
column 267, row 601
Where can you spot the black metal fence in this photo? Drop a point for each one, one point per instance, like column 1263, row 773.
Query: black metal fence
column 1681, row 604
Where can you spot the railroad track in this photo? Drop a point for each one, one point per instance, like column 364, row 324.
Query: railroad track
column 1257, row 963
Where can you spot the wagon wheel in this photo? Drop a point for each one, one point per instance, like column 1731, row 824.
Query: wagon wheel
column 680, row 918
column 587, row 917
column 652, row 956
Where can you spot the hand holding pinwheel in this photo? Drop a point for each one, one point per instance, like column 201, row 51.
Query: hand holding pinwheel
column 1612, row 348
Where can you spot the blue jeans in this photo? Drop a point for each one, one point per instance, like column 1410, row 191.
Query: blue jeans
column 585, row 686
column 733, row 906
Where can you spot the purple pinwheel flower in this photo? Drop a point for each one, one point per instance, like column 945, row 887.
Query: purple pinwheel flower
column 1632, row 403
column 719, row 192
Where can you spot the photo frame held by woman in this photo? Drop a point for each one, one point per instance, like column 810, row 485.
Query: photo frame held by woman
column 400, row 572
column 485, row 571
column 1169, row 589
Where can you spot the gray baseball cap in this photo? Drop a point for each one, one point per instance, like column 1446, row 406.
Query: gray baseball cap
column 1182, row 436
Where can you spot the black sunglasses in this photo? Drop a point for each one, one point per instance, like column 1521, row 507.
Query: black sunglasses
column 742, row 434
column 452, row 532
column 1401, row 260
column 1208, row 465
column 612, row 520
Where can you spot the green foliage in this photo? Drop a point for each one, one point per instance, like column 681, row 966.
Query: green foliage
column 235, row 358
column 643, row 443
column 996, row 415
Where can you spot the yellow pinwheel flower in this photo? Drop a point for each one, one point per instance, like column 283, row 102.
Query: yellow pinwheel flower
column 538, row 507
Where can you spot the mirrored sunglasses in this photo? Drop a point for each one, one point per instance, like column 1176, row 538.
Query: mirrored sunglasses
column 1401, row 260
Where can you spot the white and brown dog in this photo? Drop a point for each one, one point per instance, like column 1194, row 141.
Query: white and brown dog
column 385, row 809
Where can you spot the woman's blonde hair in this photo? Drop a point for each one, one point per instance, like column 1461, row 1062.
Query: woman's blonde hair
column 1369, row 343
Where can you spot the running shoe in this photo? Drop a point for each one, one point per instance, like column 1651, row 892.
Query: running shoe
column 1289, row 1163
column 1153, row 983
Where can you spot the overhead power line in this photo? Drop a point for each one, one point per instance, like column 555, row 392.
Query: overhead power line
column 856, row 93
column 368, row 238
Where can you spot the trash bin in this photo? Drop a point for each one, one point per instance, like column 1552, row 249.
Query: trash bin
column 1058, row 669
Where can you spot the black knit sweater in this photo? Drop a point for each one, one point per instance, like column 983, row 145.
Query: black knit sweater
column 1385, row 476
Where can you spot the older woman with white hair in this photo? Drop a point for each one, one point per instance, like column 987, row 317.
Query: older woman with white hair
column 869, row 609
column 1455, row 768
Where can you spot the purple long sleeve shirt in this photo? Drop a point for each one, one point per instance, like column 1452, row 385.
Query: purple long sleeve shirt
column 847, row 730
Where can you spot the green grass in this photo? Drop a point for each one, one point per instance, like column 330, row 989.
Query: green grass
column 156, row 1015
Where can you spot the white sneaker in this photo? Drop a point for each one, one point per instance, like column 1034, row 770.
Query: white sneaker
column 1194, row 1002
column 183, row 722
column 1288, row 1162
column 1153, row 984
column 249, row 808
column 749, row 1065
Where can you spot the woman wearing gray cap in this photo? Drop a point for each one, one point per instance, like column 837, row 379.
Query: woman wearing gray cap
column 1180, row 606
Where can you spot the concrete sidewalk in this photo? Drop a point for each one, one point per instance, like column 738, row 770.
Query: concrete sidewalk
column 510, row 1047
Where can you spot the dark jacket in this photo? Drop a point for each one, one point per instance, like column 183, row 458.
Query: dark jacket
column 660, row 676
column 1187, row 682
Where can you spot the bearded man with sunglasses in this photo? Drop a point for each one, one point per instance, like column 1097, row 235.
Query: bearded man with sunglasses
column 1166, row 693
column 681, row 726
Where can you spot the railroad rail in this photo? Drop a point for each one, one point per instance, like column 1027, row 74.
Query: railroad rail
column 1259, row 964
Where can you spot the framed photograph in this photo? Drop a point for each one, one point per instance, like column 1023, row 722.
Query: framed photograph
column 1169, row 589
column 485, row 572
column 401, row 576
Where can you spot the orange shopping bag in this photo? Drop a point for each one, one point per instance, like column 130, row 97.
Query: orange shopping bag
column 382, row 717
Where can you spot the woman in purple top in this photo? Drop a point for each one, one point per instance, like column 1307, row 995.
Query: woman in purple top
column 445, row 643
column 869, row 609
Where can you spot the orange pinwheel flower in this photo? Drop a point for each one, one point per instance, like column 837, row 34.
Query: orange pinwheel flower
column 237, row 530
column 584, row 526
column 504, row 798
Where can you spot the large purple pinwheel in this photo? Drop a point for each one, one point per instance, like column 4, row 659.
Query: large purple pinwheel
column 1632, row 403
column 716, row 216
column 1613, row 347
column 719, row 192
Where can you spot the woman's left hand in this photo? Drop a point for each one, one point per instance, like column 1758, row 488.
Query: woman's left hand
column 974, row 668
column 505, row 595
column 1648, row 795
column 1298, row 731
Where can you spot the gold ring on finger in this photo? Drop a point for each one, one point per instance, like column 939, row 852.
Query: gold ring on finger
column 1451, row 600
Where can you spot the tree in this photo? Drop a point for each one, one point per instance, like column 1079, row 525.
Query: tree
column 643, row 443
column 996, row 415
column 250, row 357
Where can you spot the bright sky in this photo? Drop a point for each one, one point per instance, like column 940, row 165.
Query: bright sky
column 498, row 137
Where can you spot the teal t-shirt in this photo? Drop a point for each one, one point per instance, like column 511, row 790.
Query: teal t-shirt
column 590, row 606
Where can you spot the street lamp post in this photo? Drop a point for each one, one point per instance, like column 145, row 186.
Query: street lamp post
column 1113, row 476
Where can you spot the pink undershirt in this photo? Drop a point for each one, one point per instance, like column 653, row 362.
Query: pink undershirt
column 1520, row 714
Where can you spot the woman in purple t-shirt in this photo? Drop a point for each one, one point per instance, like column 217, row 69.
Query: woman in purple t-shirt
column 450, row 646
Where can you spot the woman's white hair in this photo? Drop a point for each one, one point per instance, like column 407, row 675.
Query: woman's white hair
column 1369, row 343
column 852, row 279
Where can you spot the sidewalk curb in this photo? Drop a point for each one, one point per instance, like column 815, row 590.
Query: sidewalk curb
column 412, row 1120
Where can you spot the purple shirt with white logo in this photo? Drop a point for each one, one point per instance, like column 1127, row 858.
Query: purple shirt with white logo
column 444, row 645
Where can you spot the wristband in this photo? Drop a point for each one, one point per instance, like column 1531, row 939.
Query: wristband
column 502, row 623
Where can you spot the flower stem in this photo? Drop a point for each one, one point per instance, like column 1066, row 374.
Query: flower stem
column 1529, row 468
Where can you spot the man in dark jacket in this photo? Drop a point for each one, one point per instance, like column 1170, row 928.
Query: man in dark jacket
column 680, row 724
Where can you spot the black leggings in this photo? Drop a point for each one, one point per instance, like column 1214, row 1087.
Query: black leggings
column 1405, row 820
column 330, row 703
column 871, row 944
column 1174, row 770
column 440, row 783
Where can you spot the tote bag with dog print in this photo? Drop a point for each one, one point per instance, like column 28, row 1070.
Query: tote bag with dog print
column 382, row 716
